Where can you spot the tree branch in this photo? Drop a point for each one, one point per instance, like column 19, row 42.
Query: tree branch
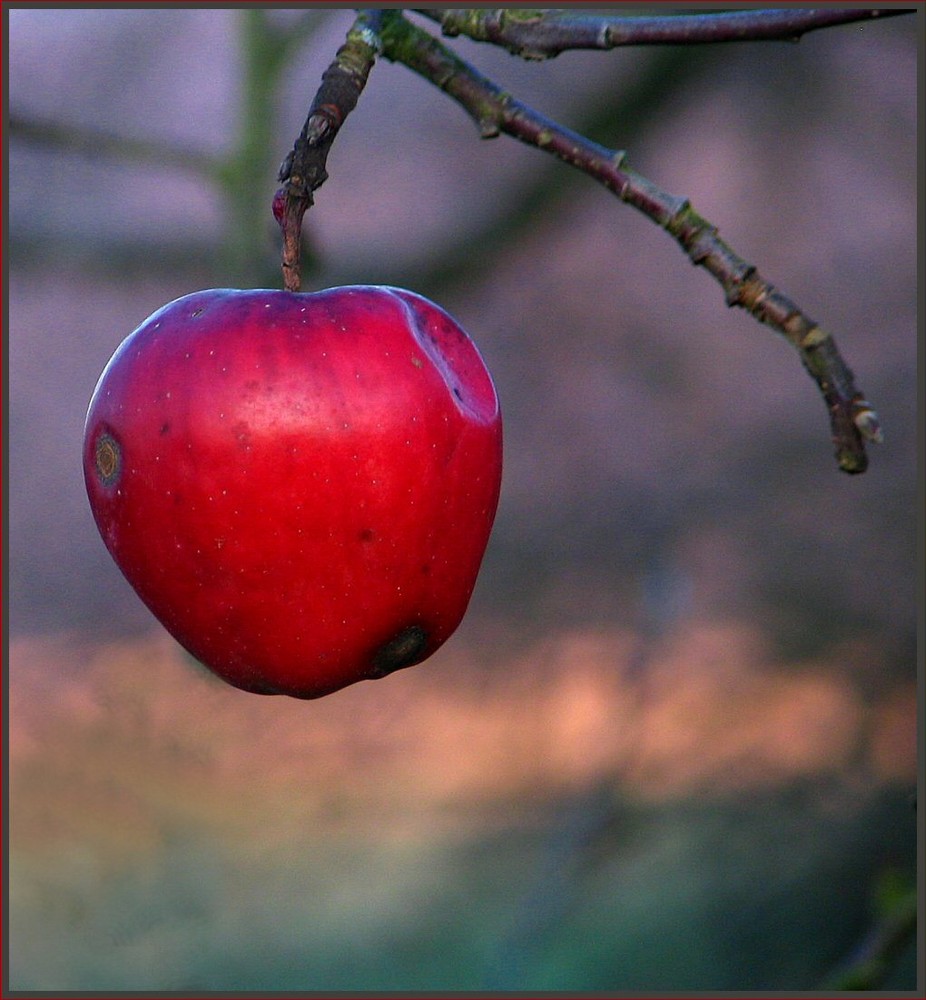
column 542, row 34
column 303, row 170
column 91, row 141
column 852, row 419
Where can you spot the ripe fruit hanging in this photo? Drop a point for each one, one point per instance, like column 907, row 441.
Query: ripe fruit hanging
column 300, row 486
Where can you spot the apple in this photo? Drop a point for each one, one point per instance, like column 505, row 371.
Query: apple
column 299, row 486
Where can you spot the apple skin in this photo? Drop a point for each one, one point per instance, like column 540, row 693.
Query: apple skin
column 299, row 486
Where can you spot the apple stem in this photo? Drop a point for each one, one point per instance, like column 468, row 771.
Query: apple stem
column 853, row 421
column 303, row 170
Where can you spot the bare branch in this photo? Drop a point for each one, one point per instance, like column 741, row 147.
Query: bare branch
column 542, row 34
column 852, row 419
column 85, row 139
column 303, row 170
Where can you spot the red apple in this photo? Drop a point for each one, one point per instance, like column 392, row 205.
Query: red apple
column 299, row 486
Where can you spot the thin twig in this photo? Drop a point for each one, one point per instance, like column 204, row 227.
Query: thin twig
column 91, row 141
column 542, row 34
column 303, row 170
column 667, row 71
column 853, row 420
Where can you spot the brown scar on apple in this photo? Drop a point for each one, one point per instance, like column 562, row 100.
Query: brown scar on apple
column 108, row 459
column 401, row 651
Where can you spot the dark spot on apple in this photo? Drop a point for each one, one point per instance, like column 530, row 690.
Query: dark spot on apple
column 401, row 651
column 426, row 569
column 108, row 456
column 165, row 427
column 366, row 535
column 197, row 312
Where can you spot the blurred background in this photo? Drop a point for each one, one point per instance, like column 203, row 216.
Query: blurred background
column 673, row 745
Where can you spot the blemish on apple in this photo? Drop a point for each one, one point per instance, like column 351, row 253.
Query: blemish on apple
column 403, row 650
column 108, row 459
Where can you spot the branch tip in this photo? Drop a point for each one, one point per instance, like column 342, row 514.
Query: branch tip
column 867, row 421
